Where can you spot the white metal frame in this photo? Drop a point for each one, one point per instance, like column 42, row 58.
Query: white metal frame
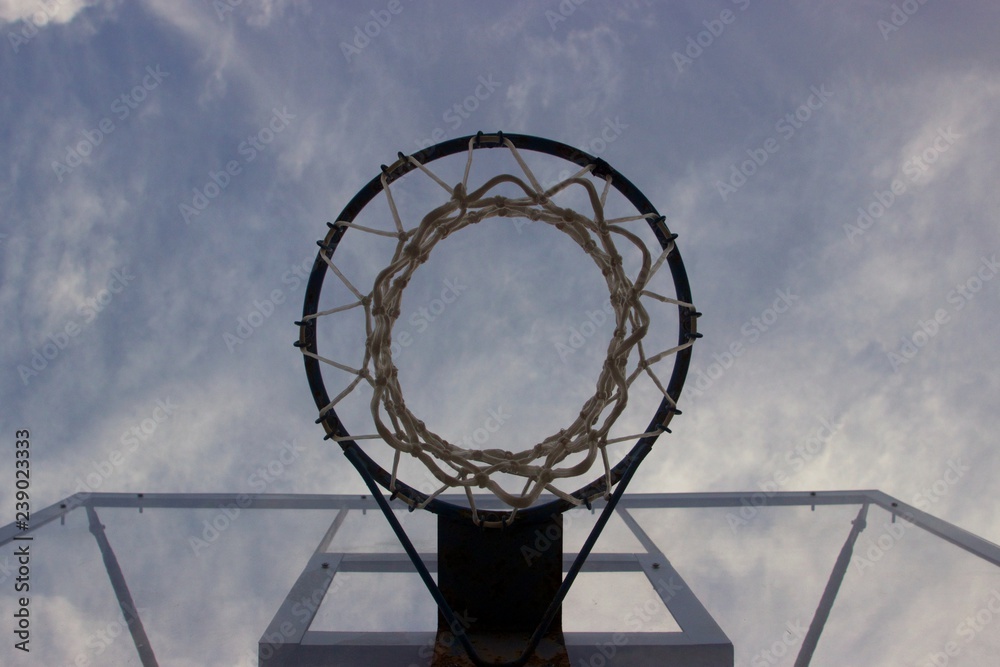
column 701, row 641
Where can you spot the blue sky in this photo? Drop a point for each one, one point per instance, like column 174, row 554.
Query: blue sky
column 831, row 161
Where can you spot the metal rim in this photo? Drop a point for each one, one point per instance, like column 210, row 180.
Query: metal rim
column 687, row 328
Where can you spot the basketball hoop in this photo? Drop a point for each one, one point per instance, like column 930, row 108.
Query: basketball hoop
column 588, row 436
column 518, row 601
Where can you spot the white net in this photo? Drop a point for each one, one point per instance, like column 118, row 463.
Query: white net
column 573, row 450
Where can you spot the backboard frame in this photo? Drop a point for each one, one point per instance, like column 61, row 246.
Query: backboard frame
column 93, row 502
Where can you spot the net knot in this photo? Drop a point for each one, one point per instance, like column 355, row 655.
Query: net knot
column 414, row 252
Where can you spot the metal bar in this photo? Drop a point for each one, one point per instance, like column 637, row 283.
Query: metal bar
column 280, row 642
column 266, row 501
column 830, row 592
column 755, row 499
column 645, row 648
column 973, row 544
column 939, row 527
column 697, row 624
column 338, row 521
column 588, row 546
column 319, row 501
column 399, row 648
column 336, row 501
column 41, row 517
column 400, row 562
column 129, row 610
column 353, row 455
column 675, row 593
column 644, row 539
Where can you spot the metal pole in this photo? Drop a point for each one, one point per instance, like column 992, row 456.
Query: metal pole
column 353, row 455
column 121, row 591
column 830, row 593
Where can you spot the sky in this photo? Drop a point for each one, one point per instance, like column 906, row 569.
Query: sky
column 829, row 169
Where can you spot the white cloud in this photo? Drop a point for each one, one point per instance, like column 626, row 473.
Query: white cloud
column 42, row 12
column 827, row 358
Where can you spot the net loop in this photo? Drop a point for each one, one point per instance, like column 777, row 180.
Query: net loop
column 588, row 436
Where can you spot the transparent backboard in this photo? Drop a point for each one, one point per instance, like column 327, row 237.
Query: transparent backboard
column 208, row 577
